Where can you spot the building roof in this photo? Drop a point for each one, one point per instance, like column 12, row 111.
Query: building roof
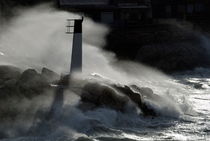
column 84, row 2
column 103, row 4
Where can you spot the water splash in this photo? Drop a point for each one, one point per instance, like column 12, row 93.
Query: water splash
column 1, row 53
column 36, row 39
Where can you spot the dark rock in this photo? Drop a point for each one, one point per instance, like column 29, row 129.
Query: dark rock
column 103, row 95
column 115, row 97
column 1, row 82
column 8, row 89
column 10, row 83
column 148, row 94
column 49, row 75
column 9, row 72
column 9, row 76
column 31, row 83
column 138, row 98
column 28, row 74
column 198, row 86
column 134, row 96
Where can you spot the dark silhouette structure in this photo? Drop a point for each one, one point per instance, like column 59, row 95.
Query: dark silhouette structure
column 125, row 12
column 76, row 66
column 180, row 9
column 76, row 56
column 112, row 12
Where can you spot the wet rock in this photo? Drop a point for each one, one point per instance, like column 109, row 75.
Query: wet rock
column 10, row 83
column 103, row 95
column 49, row 75
column 1, row 82
column 115, row 97
column 145, row 92
column 8, row 79
column 198, row 86
column 31, row 83
column 9, row 72
column 137, row 98
column 134, row 96
column 8, row 89
column 28, row 74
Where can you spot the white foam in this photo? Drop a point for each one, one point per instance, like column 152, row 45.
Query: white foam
column 37, row 39
column 1, row 53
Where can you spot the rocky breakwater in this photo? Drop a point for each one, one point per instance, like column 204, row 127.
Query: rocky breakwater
column 16, row 85
column 117, row 97
column 14, row 82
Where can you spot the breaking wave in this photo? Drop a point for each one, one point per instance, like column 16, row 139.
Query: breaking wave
column 37, row 39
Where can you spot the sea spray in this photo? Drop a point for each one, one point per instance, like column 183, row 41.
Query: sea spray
column 36, row 39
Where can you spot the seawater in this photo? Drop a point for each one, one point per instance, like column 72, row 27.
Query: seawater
column 36, row 38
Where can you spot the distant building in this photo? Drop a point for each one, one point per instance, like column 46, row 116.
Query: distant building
column 118, row 12
column 134, row 12
column 180, row 9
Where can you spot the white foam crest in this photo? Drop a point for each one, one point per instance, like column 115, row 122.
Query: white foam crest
column 37, row 39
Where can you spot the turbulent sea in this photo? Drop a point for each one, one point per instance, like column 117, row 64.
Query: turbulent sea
column 36, row 38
